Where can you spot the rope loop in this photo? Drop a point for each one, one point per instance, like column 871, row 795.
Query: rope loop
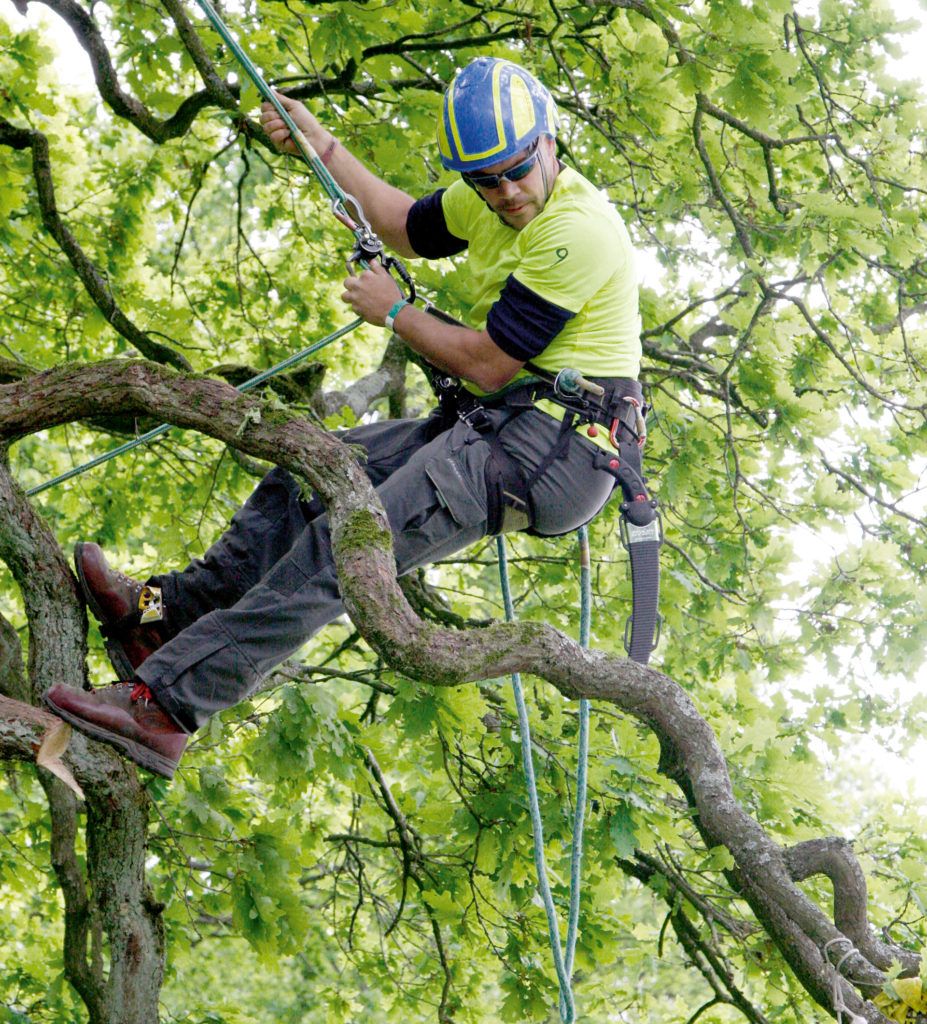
column 840, row 1007
column 563, row 962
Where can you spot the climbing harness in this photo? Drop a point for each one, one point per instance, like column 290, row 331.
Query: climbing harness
column 589, row 404
column 563, row 961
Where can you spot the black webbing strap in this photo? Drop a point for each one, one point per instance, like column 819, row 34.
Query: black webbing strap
column 641, row 535
column 506, row 483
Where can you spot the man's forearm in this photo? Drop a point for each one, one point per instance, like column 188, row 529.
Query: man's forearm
column 459, row 351
column 456, row 349
column 385, row 207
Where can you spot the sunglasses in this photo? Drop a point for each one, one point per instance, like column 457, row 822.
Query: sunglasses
column 515, row 173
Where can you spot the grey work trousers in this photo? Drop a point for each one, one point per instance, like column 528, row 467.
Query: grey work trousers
column 269, row 583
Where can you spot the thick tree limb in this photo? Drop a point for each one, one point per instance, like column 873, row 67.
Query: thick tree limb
column 22, row 728
column 834, row 858
column 363, row 552
column 116, row 802
column 13, row 682
column 124, row 104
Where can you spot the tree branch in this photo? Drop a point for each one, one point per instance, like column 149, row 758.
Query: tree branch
column 124, row 104
column 362, row 547
column 92, row 278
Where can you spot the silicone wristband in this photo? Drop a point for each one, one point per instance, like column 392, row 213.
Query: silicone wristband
column 394, row 312
column 327, row 155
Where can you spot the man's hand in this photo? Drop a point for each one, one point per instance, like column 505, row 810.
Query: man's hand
column 275, row 127
column 372, row 293
column 459, row 350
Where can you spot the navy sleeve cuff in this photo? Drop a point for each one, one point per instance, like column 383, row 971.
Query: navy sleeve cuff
column 427, row 229
column 522, row 323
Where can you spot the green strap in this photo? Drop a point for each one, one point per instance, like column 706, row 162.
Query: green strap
column 563, row 964
column 165, row 427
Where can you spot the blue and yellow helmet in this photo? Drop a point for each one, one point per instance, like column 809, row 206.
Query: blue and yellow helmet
column 492, row 110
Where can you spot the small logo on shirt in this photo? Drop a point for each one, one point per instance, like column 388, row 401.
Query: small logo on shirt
column 561, row 255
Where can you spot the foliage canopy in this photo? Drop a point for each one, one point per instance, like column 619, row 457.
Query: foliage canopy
column 773, row 172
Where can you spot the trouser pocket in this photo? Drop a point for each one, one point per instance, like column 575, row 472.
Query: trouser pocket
column 459, row 480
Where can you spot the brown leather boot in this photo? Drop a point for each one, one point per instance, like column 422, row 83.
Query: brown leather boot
column 126, row 716
column 130, row 613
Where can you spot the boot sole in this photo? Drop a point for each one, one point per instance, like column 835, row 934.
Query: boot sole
column 114, row 649
column 141, row 755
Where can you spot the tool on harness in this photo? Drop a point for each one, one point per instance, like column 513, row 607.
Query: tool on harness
column 641, row 533
column 589, row 403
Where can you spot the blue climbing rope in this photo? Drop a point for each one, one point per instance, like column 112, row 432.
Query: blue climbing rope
column 582, row 757
column 248, row 385
column 563, row 963
column 314, row 161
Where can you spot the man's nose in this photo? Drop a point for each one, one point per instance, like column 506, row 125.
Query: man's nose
column 507, row 188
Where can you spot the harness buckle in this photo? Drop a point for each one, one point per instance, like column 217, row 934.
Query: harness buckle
column 637, row 533
column 657, row 631
column 475, row 417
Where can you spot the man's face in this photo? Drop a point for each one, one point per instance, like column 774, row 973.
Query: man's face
column 519, row 202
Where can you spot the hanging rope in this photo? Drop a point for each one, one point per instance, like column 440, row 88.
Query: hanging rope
column 563, row 964
column 165, row 427
column 582, row 759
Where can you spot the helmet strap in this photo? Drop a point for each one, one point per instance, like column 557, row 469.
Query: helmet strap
column 544, row 180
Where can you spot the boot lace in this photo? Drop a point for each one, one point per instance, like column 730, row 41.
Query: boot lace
column 140, row 692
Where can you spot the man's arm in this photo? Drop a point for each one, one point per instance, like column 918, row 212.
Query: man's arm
column 460, row 351
column 384, row 206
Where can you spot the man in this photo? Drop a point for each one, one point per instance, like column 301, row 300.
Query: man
column 552, row 281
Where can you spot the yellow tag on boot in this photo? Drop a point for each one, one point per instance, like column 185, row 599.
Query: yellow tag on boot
column 149, row 604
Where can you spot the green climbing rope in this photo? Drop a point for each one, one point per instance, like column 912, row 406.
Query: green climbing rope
column 563, row 962
column 367, row 244
column 312, row 158
column 165, row 427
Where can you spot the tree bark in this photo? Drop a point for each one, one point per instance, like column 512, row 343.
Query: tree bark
column 112, row 897
column 363, row 553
